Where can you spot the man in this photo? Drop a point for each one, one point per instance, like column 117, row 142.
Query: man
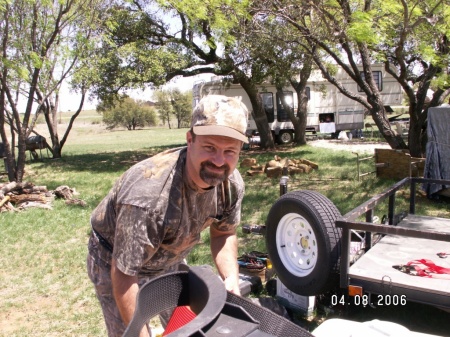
column 153, row 216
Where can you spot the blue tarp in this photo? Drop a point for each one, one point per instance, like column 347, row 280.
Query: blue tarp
column 437, row 164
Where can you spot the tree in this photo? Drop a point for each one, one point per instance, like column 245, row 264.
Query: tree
column 176, row 103
column 165, row 108
column 299, row 120
column 326, row 32
column 288, row 64
column 279, row 60
column 182, row 107
column 415, row 49
column 42, row 45
column 204, row 40
column 410, row 37
column 220, row 37
column 128, row 113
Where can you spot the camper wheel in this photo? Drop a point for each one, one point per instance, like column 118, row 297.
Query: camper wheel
column 285, row 137
column 303, row 242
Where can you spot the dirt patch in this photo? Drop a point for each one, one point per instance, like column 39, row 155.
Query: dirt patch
column 349, row 145
column 18, row 318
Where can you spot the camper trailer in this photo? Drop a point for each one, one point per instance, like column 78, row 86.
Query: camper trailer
column 329, row 111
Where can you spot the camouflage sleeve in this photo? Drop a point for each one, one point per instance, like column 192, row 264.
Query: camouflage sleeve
column 132, row 244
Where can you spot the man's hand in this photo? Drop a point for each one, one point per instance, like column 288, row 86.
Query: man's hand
column 224, row 252
column 232, row 286
column 125, row 289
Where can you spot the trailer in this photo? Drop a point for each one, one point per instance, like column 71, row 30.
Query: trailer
column 329, row 111
column 402, row 258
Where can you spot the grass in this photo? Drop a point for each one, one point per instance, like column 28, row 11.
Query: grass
column 44, row 287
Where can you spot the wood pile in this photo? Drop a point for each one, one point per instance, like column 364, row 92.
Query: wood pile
column 19, row 196
column 278, row 166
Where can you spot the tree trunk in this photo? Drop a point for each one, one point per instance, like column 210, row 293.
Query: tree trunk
column 299, row 121
column 415, row 139
column 258, row 113
column 302, row 114
column 378, row 114
column 56, row 151
column 302, row 99
column 9, row 161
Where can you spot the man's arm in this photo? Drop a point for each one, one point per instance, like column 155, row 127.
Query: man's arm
column 224, row 251
column 125, row 289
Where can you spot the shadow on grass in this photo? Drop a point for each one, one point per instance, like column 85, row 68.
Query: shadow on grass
column 106, row 162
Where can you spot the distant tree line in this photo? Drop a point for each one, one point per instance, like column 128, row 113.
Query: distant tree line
column 131, row 113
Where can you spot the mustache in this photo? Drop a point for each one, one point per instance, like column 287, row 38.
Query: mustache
column 224, row 167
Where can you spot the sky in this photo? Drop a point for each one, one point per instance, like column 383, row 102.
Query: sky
column 69, row 101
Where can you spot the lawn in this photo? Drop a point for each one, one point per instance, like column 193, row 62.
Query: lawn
column 43, row 283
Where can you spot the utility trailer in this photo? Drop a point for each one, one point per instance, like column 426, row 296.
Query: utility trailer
column 329, row 111
column 406, row 262
column 312, row 248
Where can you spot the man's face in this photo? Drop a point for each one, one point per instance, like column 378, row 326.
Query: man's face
column 211, row 159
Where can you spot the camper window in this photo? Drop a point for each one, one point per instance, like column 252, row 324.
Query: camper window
column 282, row 114
column 376, row 77
column 326, row 118
column 267, row 99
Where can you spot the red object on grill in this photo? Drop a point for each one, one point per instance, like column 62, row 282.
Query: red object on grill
column 180, row 316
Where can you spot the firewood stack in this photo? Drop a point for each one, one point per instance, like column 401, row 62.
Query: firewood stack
column 18, row 196
column 274, row 168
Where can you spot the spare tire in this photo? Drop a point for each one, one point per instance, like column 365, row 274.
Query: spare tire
column 303, row 242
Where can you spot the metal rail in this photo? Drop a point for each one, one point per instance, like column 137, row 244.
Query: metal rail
column 358, row 160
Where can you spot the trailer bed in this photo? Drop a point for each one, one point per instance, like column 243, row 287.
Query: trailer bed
column 377, row 264
column 413, row 238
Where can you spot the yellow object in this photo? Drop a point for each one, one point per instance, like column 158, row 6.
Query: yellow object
column 355, row 291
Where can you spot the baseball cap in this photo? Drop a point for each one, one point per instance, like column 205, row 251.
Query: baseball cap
column 218, row 115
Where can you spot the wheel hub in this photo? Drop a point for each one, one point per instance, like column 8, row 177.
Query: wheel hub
column 296, row 244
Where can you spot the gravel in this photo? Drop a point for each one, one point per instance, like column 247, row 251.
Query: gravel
column 354, row 145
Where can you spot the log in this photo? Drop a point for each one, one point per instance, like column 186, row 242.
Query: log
column 8, row 207
column 254, row 172
column 285, row 162
column 21, row 198
column 248, row 162
column 64, row 192
column 39, row 189
column 7, row 188
column 310, row 163
column 274, row 168
column 274, row 163
column 29, row 204
column 4, row 200
column 305, row 168
column 295, row 170
column 257, row 168
column 14, row 186
column 273, row 172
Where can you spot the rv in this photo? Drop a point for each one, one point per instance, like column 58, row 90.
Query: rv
column 329, row 111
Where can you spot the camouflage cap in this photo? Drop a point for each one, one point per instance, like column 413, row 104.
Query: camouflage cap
column 217, row 115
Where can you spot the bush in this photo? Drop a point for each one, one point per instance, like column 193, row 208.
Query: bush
column 128, row 113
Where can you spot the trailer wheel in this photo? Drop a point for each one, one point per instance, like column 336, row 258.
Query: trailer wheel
column 303, row 242
column 285, row 137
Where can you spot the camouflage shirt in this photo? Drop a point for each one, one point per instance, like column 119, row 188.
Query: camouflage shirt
column 153, row 218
